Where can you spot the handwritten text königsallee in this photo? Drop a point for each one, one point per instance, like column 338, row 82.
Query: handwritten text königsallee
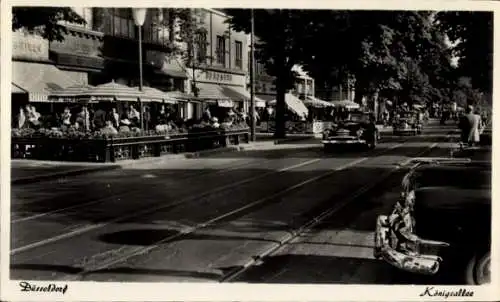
column 434, row 292
column 49, row 288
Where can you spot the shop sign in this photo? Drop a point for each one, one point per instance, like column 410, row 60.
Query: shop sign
column 218, row 77
column 78, row 45
column 26, row 46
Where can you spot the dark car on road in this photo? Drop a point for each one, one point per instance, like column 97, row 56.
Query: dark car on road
column 407, row 124
column 442, row 221
column 358, row 129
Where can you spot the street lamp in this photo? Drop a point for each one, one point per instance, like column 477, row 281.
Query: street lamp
column 139, row 15
column 252, row 79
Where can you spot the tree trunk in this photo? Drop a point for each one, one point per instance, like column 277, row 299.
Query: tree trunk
column 280, row 109
column 359, row 91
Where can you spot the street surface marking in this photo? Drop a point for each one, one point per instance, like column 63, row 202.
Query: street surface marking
column 191, row 229
column 154, row 209
column 293, row 235
column 85, row 204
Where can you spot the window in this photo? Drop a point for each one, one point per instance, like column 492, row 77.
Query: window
column 156, row 31
column 114, row 21
column 201, row 47
column 221, row 50
column 238, row 61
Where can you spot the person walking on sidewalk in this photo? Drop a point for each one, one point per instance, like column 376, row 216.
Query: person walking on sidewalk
column 469, row 126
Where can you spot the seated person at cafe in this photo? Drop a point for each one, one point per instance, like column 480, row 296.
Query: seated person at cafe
column 99, row 119
column 66, row 117
column 133, row 115
column 108, row 128
column 124, row 125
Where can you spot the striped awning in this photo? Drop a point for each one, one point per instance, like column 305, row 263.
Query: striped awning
column 113, row 91
column 294, row 104
column 211, row 92
column 70, row 94
column 238, row 93
column 40, row 80
column 155, row 95
column 317, row 103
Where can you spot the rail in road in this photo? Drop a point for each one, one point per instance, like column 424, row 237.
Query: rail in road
column 103, row 259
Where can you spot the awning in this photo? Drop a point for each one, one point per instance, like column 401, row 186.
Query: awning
column 70, row 94
column 239, row 93
column 172, row 73
column 314, row 102
column 155, row 95
column 113, row 91
column 267, row 97
column 225, row 103
column 346, row 104
column 294, row 104
column 211, row 92
column 39, row 80
column 181, row 96
column 16, row 89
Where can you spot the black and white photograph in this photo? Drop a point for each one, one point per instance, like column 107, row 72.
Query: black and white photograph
column 159, row 144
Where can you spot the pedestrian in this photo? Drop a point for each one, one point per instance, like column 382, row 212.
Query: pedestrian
column 469, row 125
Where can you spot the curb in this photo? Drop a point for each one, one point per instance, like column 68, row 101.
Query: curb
column 115, row 166
column 51, row 176
column 55, row 175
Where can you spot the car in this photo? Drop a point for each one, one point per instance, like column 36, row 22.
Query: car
column 355, row 130
column 442, row 221
column 407, row 124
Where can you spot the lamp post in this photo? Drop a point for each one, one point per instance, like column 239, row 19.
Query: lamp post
column 252, row 80
column 139, row 15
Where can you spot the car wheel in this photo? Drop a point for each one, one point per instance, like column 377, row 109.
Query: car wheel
column 477, row 271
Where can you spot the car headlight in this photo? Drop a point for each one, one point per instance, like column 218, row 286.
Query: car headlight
column 360, row 132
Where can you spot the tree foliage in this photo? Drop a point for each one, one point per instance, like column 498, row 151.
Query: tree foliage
column 282, row 36
column 45, row 21
column 472, row 36
column 400, row 55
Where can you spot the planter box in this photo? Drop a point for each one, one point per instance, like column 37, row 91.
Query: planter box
column 116, row 149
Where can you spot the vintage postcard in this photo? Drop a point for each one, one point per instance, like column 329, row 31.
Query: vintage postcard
column 248, row 151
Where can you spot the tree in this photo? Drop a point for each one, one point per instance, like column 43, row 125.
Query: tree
column 472, row 36
column 189, row 41
column 375, row 48
column 45, row 21
column 281, row 34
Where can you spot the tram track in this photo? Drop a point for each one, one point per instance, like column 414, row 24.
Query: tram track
column 191, row 176
column 130, row 252
column 292, row 234
column 170, row 206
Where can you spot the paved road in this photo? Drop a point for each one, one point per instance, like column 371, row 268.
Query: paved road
column 204, row 219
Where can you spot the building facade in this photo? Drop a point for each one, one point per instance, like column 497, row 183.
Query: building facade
column 106, row 49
